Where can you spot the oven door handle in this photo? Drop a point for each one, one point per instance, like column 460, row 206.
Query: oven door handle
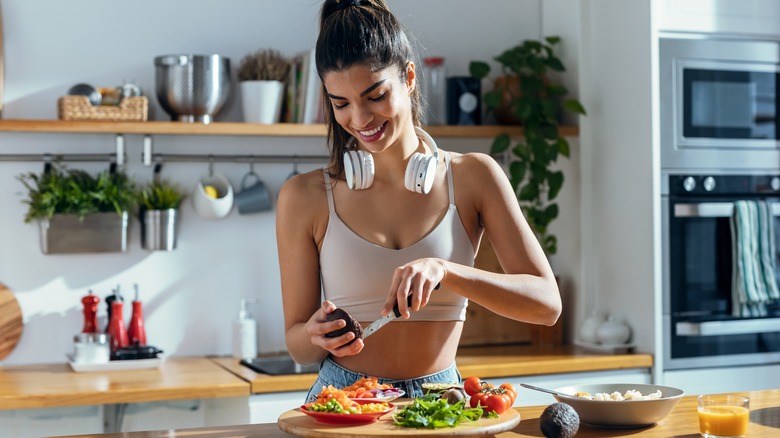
column 720, row 328
column 713, row 209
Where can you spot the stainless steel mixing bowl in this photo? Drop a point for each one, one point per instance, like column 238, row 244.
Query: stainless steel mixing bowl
column 192, row 88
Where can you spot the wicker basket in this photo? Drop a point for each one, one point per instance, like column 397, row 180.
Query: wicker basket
column 130, row 109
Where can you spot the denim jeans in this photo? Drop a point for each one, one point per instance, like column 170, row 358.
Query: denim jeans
column 334, row 374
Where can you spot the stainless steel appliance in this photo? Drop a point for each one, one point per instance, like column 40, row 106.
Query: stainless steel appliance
column 719, row 143
column 699, row 328
column 718, row 102
column 278, row 365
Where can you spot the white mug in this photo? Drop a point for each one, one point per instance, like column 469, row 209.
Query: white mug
column 213, row 208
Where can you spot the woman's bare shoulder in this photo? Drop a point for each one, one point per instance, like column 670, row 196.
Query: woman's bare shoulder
column 476, row 167
column 303, row 193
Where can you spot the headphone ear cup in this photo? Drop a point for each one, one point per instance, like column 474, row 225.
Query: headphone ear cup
column 426, row 175
column 358, row 169
column 411, row 171
column 349, row 170
column 368, row 169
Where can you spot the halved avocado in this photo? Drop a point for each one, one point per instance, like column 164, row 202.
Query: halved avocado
column 439, row 388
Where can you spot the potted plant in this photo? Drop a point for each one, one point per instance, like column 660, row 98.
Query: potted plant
column 262, row 76
column 159, row 201
column 536, row 102
column 77, row 212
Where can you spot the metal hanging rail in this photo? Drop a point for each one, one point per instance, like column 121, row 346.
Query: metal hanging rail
column 118, row 157
column 58, row 157
column 170, row 158
column 148, row 157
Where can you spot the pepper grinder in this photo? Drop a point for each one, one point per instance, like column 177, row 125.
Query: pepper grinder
column 136, row 332
column 90, row 303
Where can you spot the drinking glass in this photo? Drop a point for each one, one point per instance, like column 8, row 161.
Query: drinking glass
column 723, row 415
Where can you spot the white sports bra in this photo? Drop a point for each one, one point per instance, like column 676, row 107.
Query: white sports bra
column 356, row 273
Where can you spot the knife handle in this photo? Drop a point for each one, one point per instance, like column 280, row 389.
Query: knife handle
column 397, row 312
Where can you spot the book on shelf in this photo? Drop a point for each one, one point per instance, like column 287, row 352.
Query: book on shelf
column 304, row 91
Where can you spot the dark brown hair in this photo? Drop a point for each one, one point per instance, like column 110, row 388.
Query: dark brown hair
column 359, row 32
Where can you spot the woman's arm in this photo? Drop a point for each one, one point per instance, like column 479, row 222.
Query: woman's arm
column 526, row 291
column 300, row 224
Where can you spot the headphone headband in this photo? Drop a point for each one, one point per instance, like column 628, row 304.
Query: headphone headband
column 420, row 170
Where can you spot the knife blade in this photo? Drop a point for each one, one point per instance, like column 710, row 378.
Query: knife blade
column 381, row 322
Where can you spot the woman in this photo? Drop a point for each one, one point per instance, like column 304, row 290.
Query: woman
column 392, row 216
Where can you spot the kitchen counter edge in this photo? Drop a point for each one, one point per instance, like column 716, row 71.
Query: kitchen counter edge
column 485, row 362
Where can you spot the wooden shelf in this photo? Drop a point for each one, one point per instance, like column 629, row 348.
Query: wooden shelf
column 238, row 129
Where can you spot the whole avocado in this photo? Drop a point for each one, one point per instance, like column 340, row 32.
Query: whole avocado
column 351, row 325
column 559, row 420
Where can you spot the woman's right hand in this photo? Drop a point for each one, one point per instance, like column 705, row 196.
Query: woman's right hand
column 318, row 326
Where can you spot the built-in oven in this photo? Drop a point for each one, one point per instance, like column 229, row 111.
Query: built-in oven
column 702, row 328
column 719, row 148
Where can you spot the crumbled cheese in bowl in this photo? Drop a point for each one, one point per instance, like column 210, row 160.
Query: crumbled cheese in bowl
column 630, row 394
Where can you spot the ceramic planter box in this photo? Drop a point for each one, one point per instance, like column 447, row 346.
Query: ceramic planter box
column 99, row 232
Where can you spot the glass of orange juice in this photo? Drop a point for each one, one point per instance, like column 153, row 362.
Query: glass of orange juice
column 723, row 415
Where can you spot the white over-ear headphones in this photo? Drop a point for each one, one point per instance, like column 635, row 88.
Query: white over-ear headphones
column 420, row 172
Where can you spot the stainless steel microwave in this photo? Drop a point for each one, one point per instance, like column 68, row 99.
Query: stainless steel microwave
column 719, row 100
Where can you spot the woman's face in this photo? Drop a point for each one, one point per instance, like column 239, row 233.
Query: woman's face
column 373, row 106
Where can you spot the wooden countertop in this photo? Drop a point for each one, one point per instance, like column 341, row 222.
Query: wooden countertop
column 486, row 362
column 682, row 422
column 55, row 385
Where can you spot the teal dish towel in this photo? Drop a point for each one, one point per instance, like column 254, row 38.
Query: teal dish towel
column 754, row 278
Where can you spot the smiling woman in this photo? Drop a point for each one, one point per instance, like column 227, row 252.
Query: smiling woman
column 390, row 218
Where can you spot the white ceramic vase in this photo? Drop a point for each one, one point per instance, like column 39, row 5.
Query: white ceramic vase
column 262, row 101
column 590, row 325
column 613, row 332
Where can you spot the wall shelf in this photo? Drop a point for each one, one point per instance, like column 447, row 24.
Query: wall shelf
column 238, row 129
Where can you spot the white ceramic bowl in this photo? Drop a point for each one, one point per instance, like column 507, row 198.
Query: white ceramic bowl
column 622, row 413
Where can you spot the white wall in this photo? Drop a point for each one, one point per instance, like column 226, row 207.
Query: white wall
column 619, row 166
column 190, row 295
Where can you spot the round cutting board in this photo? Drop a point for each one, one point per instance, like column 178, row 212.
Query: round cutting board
column 297, row 423
column 10, row 321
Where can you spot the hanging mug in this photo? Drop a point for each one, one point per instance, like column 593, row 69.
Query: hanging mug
column 254, row 197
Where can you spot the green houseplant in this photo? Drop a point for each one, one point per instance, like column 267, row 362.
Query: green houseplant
column 160, row 195
column 536, row 102
column 79, row 212
column 159, row 202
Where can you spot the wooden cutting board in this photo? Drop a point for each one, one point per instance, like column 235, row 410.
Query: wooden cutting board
column 297, row 423
column 11, row 323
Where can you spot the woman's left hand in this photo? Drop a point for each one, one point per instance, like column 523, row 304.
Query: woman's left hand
column 417, row 278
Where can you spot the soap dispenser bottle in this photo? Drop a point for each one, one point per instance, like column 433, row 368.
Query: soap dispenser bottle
column 244, row 333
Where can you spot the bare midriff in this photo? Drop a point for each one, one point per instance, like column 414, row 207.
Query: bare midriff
column 406, row 349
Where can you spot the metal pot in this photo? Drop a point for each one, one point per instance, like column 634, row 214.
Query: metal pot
column 192, row 88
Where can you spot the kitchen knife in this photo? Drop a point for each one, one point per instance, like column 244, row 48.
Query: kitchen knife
column 381, row 322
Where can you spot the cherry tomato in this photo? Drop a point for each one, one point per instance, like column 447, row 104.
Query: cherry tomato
column 509, row 389
column 472, row 385
column 497, row 403
column 479, row 398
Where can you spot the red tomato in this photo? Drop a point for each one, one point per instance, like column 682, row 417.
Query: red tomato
column 472, row 385
column 479, row 398
column 509, row 389
column 497, row 403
